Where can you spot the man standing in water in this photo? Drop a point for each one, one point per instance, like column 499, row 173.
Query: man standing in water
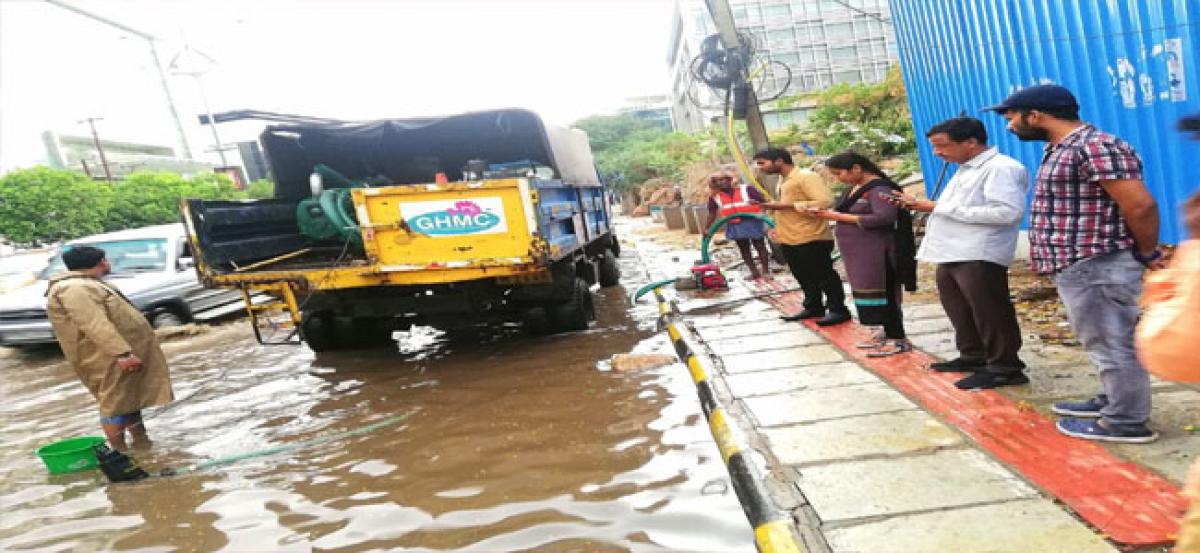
column 109, row 343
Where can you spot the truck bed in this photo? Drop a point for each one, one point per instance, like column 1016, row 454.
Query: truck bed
column 525, row 222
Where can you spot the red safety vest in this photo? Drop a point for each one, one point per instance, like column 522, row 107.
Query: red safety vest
column 739, row 202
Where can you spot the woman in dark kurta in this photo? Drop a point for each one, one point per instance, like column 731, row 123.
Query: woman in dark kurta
column 866, row 234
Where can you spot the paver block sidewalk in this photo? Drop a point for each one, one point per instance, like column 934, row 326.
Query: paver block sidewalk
column 866, row 456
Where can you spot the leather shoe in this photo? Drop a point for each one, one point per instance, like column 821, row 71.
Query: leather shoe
column 834, row 318
column 959, row 365
column 989, row 380
column 806, row 314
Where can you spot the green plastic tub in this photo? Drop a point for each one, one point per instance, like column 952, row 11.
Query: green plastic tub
column 71, row 455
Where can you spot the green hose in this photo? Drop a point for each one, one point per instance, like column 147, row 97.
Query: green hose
column 652, row 286
column 704, row 258
column 284, row 448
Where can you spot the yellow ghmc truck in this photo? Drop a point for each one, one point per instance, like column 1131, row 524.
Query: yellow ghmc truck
column 375, row 226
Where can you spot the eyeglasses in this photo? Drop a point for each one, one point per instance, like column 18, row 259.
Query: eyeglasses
column 722, row 180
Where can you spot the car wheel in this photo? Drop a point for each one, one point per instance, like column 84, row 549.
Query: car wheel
column 164, row 318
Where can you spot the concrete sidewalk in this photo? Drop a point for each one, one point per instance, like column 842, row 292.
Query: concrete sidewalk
column 864, row 467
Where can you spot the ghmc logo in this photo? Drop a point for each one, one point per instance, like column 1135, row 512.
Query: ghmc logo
column 466, row 217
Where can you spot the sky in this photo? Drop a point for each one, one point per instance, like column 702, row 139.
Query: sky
column 565, row 59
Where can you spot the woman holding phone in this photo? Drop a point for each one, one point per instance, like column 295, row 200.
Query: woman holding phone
column 875, row 237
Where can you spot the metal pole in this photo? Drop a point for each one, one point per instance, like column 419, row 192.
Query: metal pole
column 212, row 123
column 722, row 16
column 91, row 121
column 183, row 142
column 162, row 79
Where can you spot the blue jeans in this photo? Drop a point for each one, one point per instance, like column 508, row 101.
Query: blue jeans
column 1101, row 295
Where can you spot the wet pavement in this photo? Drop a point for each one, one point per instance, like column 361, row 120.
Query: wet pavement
column 512, row 443
column 888, row 456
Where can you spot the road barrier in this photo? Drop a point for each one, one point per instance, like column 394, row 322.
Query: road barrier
column 772, row 526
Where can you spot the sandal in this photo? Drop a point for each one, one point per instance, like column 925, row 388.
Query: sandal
column 877, row 340
column 893, row 347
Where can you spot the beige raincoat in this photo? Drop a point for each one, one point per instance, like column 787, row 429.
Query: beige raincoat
column 95, row 324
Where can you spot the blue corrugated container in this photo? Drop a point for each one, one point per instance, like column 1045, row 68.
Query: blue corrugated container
column 1133, row 64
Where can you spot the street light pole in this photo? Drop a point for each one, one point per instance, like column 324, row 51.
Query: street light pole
column 91, row 121
column 212, row 122
column 162, row 77
column 177, row 68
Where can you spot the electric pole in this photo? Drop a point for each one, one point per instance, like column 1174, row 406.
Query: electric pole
column 162, row 77
column 722, row 16
column 91, row 121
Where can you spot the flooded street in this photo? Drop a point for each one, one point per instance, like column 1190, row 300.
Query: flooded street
column 511, row 443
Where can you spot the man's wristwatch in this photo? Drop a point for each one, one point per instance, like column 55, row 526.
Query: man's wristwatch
column 1147, row 259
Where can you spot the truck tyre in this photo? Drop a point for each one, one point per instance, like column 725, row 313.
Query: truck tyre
column 610, row 270
column 536, row 321
column 576, row 313
column 318, row 331
column 367, row 332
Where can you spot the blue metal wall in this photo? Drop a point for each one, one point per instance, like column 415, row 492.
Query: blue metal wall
column 1133, row 64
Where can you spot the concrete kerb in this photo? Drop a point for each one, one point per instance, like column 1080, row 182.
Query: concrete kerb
column 773, row 527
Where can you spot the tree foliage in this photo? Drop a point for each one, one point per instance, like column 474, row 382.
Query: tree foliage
column 872, row 119
column 630, row 151
column 152, row 198
column 43, row 205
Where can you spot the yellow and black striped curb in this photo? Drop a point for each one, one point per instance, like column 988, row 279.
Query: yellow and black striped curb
column 772, row 526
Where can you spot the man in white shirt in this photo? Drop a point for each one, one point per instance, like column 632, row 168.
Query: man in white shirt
column 971, row 235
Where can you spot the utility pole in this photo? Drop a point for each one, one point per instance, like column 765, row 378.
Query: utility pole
column 91, row 121
column 722, row 16
column 162, row 77
column 198, row 74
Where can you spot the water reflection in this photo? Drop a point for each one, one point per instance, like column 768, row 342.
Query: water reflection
column 513, row 443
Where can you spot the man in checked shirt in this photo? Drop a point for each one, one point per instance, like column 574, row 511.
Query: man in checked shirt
column 1094, row 226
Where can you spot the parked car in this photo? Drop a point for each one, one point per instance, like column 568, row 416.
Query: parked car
column 21, row 269
column 152, row 266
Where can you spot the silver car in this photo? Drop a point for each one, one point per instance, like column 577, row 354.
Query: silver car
column 152, row 266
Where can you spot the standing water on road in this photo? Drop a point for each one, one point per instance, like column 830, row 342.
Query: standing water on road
column 512, row 443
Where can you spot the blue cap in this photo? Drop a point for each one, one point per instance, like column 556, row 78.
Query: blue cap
column 1045, row 96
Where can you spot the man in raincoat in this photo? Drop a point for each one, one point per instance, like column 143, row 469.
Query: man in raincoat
column 109, row 343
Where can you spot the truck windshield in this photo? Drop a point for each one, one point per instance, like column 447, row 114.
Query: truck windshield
column 146, row 255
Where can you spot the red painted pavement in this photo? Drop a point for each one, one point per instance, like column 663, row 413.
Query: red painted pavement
column 1124, row 500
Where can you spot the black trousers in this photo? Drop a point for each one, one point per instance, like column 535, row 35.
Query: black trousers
column 975, row 296
column 893, row 317
column 812, row 266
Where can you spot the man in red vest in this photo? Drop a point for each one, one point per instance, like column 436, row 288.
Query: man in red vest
column 726, row 199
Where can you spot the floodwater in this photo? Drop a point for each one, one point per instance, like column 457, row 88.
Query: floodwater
column 511, row 443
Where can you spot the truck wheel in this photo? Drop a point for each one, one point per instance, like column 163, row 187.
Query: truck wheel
column 318, row 331
column 369, row 332
column 576, row 313
column 536, row 321
column 610, row 270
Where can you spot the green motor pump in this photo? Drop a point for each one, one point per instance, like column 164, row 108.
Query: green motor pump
column 329, row 214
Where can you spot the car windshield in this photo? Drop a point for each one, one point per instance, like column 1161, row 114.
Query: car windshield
column 146, row 255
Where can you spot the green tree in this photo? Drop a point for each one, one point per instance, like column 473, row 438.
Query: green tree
column 260, row 189
column 43, row 205
column 152, row 198
column 872, row 119
column 634, row 150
